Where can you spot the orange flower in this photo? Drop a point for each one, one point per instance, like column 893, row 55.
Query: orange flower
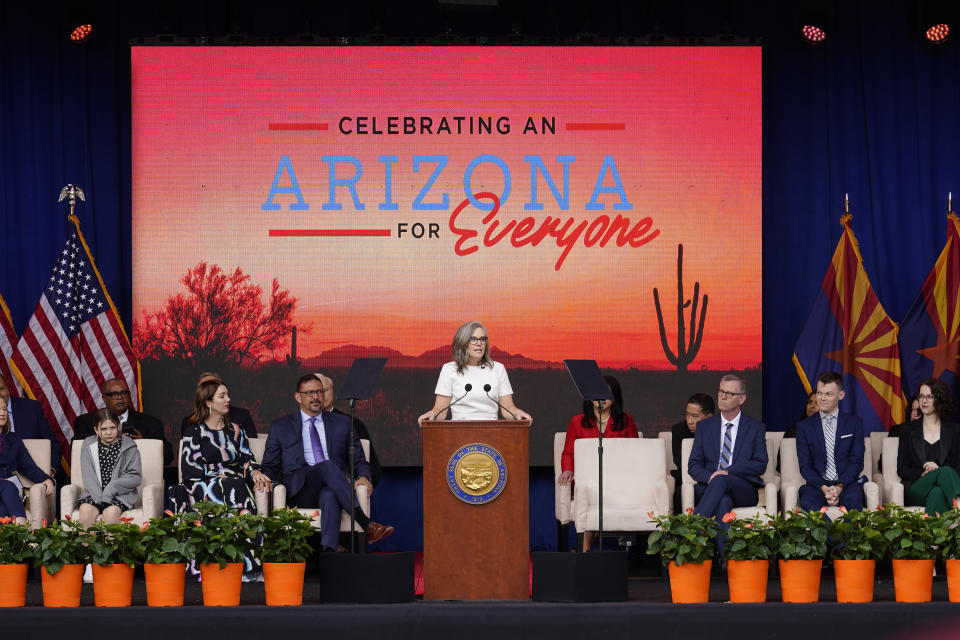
column 879, row 507
column 688, row 511
column 796, row 509
column 315, row 514
column 126, row 519
column 926, row 515
column 6, row 520
column 144, row 526
column 197, row 523
column 843, row 509
column 650, row 514
column 824, row 508
column 67, row 517
column 43, row 522
column 168, row 512
column 749, row 525
column 244, row 512
column 729, row 517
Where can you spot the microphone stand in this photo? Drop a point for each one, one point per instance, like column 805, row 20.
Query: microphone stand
column 351, row 451
column 600, row 466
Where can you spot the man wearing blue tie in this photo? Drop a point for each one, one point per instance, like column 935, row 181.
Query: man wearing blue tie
column 308, row 452
column 729, row 454
column 830, row 451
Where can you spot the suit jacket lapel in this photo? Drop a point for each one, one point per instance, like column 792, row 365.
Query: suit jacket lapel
column 297, row 427
column 919, row 444
column 946, row 440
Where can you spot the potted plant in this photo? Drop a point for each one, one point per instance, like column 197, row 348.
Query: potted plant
column 686, row 544
column 751, row 542
column 857, row 542
column 912, row 536
column 284, row 554
column 114, row 550
column 170, row 543
column 15, row 553
column 802, row 546
column 61, row 552
column 223, row 539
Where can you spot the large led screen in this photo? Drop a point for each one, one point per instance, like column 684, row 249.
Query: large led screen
column 297, row 207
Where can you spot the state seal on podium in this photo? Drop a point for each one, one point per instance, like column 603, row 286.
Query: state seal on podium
column 476, row 473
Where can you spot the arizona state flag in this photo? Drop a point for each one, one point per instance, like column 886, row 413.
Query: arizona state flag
column 849, row 332
column 930, row 334
column 8, row 340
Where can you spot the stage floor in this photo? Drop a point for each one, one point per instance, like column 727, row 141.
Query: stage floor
column 647, row 614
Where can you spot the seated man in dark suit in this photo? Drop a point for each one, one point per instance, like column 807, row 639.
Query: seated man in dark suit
column 358, row 425
column 27, row 421
column 308, row 452
column 238, row 415
column 136, row 425
column 830, row 451
column 699, row 407
column 729, row 454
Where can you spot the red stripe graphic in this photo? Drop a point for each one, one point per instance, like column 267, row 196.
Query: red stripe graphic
column 298, row 126
column 596, row 126
column 336, row 233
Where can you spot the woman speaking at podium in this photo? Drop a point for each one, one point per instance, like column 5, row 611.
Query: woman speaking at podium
column 470, row 386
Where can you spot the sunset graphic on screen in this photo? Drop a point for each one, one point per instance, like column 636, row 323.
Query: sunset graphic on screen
column 394, row 193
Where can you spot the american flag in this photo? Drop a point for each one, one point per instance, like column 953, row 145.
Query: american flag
column 74, row 342
column 8, row 338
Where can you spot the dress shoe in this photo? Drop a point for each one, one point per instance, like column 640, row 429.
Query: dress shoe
column 376, row 532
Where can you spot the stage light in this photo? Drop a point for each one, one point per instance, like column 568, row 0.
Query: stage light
column 81, row 33
column 813, row 34
column 938, row 33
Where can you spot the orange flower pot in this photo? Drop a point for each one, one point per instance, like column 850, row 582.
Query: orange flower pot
column 748, row 580
column 62, row 589
column 283, row 583
column 221, row 587
column 112, row 585
column 690, row 582
column 13, row 577
column 854, row 580
column 913, row 580
column 164, row 584
column 800, row 580
column 953, row 580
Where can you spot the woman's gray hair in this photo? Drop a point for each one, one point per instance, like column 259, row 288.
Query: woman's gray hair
column 461, row 340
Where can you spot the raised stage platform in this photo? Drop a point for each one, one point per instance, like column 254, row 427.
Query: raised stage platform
column 648, row 614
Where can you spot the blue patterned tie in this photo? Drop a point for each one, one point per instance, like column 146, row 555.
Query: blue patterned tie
column 318, row 456
column 726, row 456
column 829, row 438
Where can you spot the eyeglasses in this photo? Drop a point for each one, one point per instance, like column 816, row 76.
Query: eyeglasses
column 117, row 394
column 722, row 393
column 476, row 340
column 924, row 396
column 314, row 393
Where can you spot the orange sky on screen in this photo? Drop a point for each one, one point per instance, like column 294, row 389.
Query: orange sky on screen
column 689, row 157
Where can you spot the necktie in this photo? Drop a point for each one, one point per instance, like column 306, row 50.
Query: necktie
column 318, row 456
column 829, row 438
column 726, row 456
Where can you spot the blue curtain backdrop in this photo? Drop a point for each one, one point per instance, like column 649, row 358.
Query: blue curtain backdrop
column 873, row 112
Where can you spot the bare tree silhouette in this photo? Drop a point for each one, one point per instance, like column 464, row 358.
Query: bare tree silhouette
column 222, row 318
column 686, row 349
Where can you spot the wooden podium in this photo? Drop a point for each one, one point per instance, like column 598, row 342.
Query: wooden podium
column 475, row 551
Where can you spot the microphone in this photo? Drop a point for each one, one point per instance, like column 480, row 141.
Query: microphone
column 467, row 388
column 486, row 389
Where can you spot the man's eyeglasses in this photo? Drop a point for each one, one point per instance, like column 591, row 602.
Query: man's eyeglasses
column 314, row 393
column 117, row 394
column 476, row 340
column 722, row 393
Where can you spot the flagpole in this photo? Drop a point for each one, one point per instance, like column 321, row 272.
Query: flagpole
column 949, row 202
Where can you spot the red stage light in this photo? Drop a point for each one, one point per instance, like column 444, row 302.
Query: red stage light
column 81, row 33
column 813, row 34
column 938, row 33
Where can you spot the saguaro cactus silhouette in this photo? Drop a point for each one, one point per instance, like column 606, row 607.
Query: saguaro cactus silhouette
column 687, row 348
column 292, row 361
